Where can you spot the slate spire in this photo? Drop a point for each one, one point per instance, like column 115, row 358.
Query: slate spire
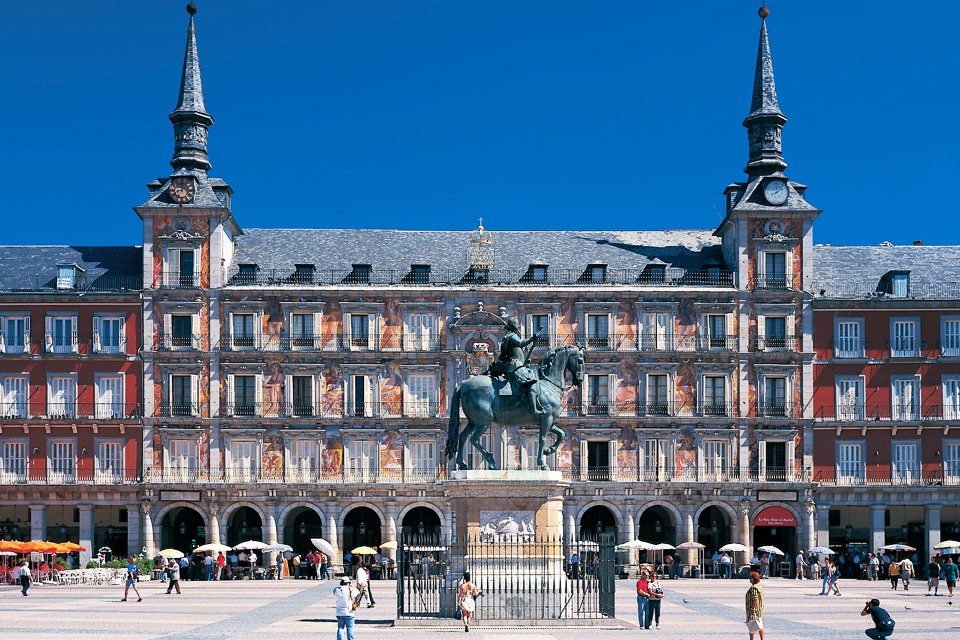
column 190, row 119
column 765, row 122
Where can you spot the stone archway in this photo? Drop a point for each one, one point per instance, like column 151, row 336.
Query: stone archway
column 362, row 526
column 182, row 526
column 595, row 520
column 422, row 524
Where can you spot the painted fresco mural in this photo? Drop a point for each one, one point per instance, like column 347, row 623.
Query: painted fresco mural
column 332, row 463
column 627, row 447
column 391, row 389
column 332, row 398
column 391, row 454
column 627, row 375
column 685, row 461
column 271, row 463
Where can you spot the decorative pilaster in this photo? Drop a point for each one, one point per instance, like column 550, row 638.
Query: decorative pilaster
column 214, row 537
column 38, row 522
column 391, row 516
column 148, row 529
column 86, row 532
column 931, row 526
column 878, row 534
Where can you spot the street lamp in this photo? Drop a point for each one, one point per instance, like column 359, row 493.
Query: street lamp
column 303, row 528
column 903, row 531
column 421, row 529
column 63, row 531
column 243, row 529
column 849, row 532
column 183, row 528
column 658, row 526
column 714, row 528
column 598, row 528
column 362, row 531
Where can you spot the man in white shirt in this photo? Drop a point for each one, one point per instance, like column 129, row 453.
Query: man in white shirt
column 801, row 564
column 363, row 582
column 345, row 598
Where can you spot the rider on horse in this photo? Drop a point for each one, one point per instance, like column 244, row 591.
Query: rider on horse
column 513, row 363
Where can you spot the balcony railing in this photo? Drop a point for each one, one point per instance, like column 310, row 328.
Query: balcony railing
column 380, row 410
column 48, row 284
column 285, row 277
column 772, row 280
column 716, row 343
column 883, row 476
column 329, row 342
column 648, row 409
column 290, row 474
column 41, row 410
column 779, row 343
column 189, row 342
column 906, row 348
column 70, row 476
column 836, row 290
column 850, row 348
column 896, row 413
column 776, row 410
column 708, row 473
column 178, row 280
column 179, row 410
column 16, row 345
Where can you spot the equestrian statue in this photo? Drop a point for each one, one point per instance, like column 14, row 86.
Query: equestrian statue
column 512, row 393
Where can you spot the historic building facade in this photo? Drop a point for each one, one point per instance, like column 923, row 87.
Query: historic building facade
column 296, row 382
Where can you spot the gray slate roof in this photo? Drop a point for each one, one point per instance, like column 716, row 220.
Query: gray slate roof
column 33, row 267
column 447, row 250
column 853, row 272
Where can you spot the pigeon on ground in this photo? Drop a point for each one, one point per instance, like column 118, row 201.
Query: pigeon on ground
column 906, row 607
column 685, row 601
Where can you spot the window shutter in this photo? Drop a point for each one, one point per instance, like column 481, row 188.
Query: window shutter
column 123, row 334
column 26, row 333
column 194, row 330
column 195, row 395
column 97, row 342
column 788, row 268
column 258, row 395
column 171, row 266
column 231, row 398
column 315, row 331
column 48, row 333
column 3, row 344
column 348, row 329
column 288, row 394
column 790, row 465
column 367, row 395
column 762, row 458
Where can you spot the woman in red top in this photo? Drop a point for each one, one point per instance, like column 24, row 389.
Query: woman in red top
column 643, row 597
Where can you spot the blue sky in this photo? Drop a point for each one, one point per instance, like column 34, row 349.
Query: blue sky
column 611, row 114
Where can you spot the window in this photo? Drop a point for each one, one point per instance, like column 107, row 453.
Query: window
column 13, row 402
column 848, row 338
column 242, row 336
column 900, row 284
column 540, row 324
column 850, row 398
column 597, row 273
column 62, row 397
column 420, row 273
column 421, row 396
column 109, row 462
column 656, row 332
column 61, row 334
column 850, row 465
column 244, row 461
column 360, row 274
column 951, row 397
column 246, row 274
column 903, row 338
column 717, row 331
column 108, row 334
column 538, row 273
column 950, row 337
column 598, row 332
column 906, row 462
column 303, row 328
column 774, row 396
column 714, row 395
column 598, row 460
column 181, row 332
column 363, row 460
column 244, row 395
column 13, row 458
column 423, row 463
column 15, row 334
column 303, row 463
column 183, row 395
column 183, row 463
column 361, row 402
column 775, row 275
column 182, row 269
column 109, row 403
column 715, row 459
column 774, row 333
column 421, row 332
column 303, row 273
column 658, row 394
column 774, row 460
column 67, row 276
column 359, row 337
column 302, row 395
column 951, row 462
column 905, row 394
column 63, row 462
column 654, row 273
column 598, row 394
column 656, row 458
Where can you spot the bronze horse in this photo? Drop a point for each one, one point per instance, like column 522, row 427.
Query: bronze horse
column 483, row 405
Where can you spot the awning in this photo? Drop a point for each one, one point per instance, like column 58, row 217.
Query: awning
column 775, row 517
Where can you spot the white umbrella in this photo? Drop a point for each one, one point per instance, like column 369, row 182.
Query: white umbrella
column 278, row 547
column 392, row 544
column 170, row 553
column 638, row 544
column 250, row 545
column 690, row 545
column 212, row 546
column 823, row 550
column 663, row 546
column 947, row 544
column 733, row 547
column 324, row 546
column 771, row 549
column 899, row 547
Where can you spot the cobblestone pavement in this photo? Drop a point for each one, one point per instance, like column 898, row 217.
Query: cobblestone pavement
column 297, row 609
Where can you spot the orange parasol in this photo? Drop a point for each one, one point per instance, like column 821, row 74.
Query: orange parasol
column 72, row 547
column 62, row 547
column 42, row 546
column 12, row 545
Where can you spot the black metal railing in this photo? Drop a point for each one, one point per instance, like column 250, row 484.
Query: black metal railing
column 47, row 284
column 178, row 280
column 716, row 343
column 837, row 290
column 776, row 410
column 779, row 343
column 851, row 412
column 188, row 342
column 850, row 348
column 40, row 409
column 654, row 409
column 178, row 410
column 772, row 280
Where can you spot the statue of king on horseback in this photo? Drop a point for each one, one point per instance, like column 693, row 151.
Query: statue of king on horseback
column 512, row 393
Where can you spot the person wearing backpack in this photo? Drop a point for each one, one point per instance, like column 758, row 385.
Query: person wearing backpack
column 883, row 624
column 133, row 574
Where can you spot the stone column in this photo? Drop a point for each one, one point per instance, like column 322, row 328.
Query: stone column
column 214, row 528
column 391, row 517
column 810, row 537
column 86, row 533
column 271, row 514
column 333, row 539
column 931, row 527
column 134, row 530
column 148, row 529
column 688, row 532
column 745, row 531
column 823, row 525
column 878, row 534
column 631, row 535
column 38, row 522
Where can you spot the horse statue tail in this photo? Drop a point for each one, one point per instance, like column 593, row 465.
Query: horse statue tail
column 453, row 431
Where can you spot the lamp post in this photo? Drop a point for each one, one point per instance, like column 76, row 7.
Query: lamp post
column 303, row 528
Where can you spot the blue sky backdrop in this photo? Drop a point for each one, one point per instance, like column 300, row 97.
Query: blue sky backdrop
column 423, row 114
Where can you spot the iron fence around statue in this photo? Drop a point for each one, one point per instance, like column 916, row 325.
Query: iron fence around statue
column 519, row 578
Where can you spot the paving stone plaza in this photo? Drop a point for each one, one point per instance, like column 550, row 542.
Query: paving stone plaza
column 301, row 609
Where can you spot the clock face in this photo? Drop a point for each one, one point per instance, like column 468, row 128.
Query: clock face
column 181, row 189
column 775, row 192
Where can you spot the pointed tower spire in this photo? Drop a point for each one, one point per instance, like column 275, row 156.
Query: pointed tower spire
column 765, row 122
column 190, row 119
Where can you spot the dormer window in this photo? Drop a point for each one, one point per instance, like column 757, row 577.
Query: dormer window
column 538, row 273
column 68, row 276
column 595, row 274
column 303, row 273
column 478, row 275
column 246, row 274
column 360, row 273
column 654, row 273
column 896, row 283
column 420, row 273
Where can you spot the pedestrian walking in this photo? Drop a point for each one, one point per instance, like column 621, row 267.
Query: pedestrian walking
column 346, row 598
column 363, row 583
column 873, row 566
column 173, row 572
column 825, row 584
column 467, row 596
column 835, row 579
column 906, row 573
column 133, row 574
column 653, row 600
column 643, row 598
column 933, row 576
column 893, row 573
column 754, row 606
column 221, row 564
column 324, row 567
column 949, row 573
column 23, row 576
column 280, row 566
column 208, row 568
column 726, row 566
column 801, row 565
column 882, row 622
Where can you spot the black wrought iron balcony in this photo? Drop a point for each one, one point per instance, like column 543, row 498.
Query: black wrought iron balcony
column 850, row 348
column 716, row 343
column 779, row 343
column 38, row 409
column 83, row 283
column 776, row 410
column 772, row 280
column 183, row 342
column 178, row 280
column 179, row 410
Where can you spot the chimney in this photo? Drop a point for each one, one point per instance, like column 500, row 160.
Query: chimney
column 918, row 243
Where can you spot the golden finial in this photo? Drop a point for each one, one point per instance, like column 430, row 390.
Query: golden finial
column 764, row 10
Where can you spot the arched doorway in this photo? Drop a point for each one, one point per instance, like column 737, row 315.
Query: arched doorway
column 361, row 527
column 775, row 526
column 302, row 524
column 245, row 524
column 182, row 528
column 597, row 520
column 713, row 529
column 656, row 526
column 421, row 526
